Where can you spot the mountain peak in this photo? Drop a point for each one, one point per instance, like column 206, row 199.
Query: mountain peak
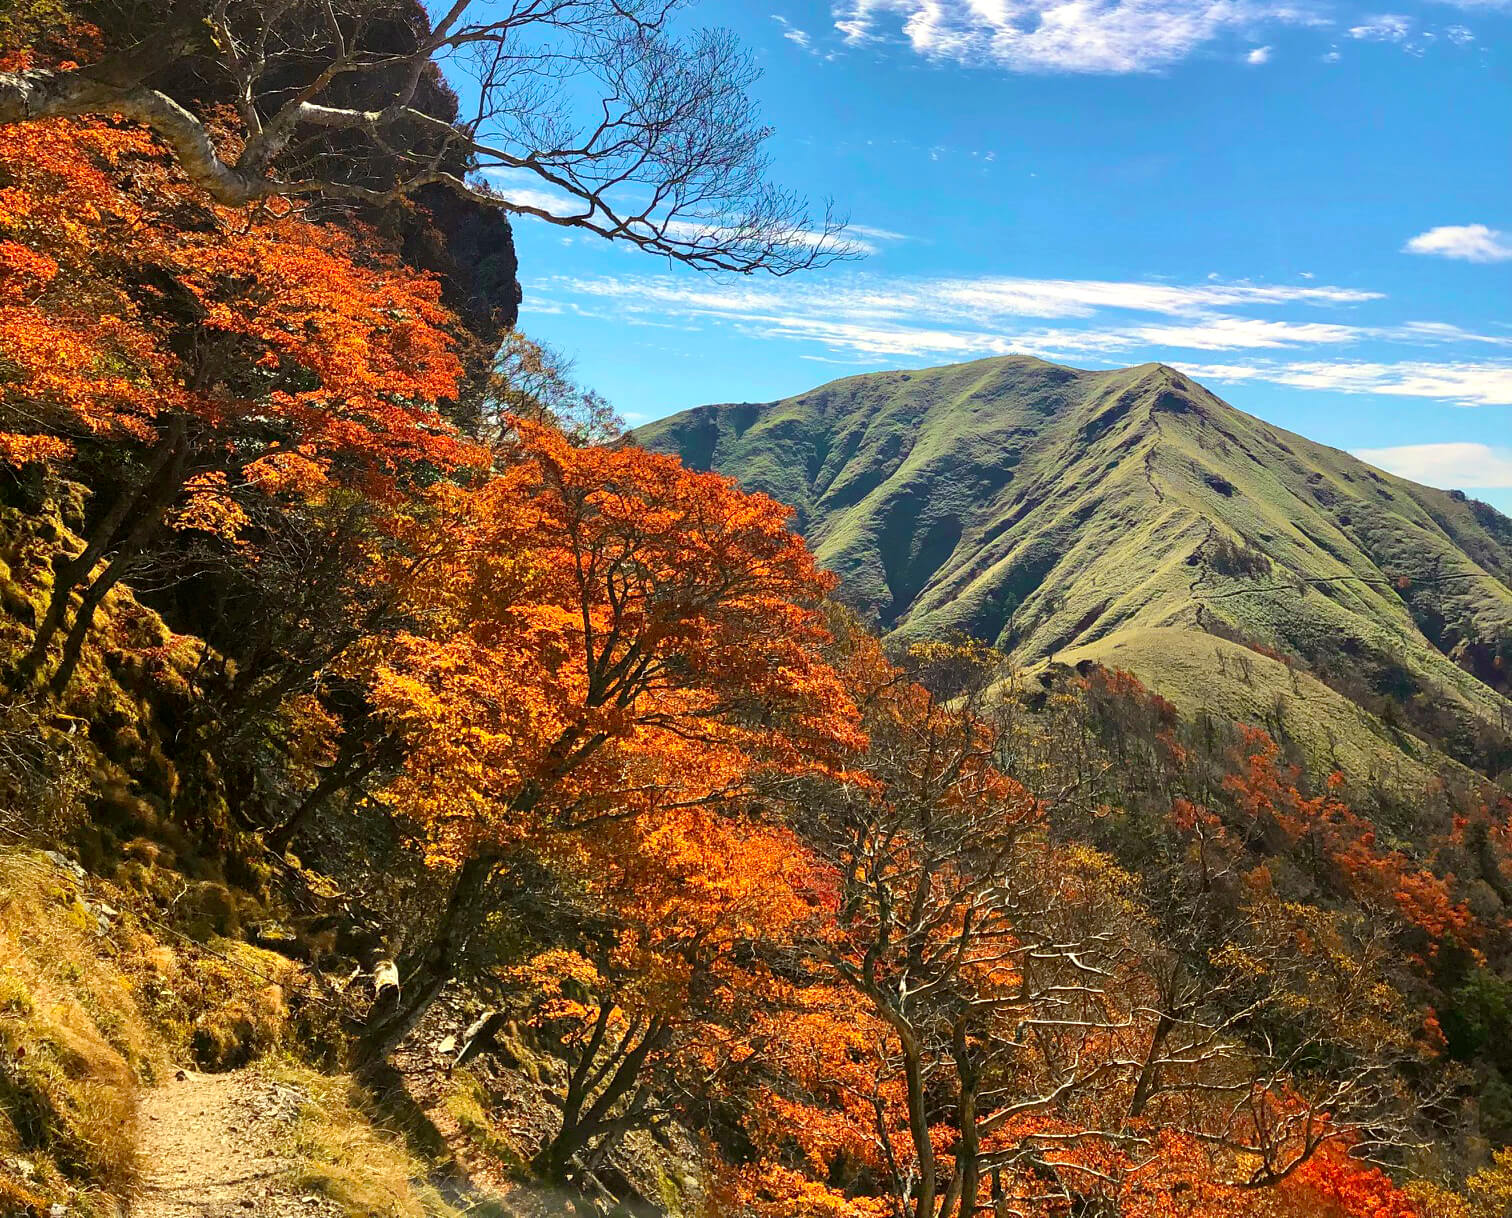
column 1043, row 508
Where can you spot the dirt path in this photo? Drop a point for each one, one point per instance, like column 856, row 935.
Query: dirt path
column 210, row 1147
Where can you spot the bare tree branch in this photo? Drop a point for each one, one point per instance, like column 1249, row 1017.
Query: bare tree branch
column 587, row 114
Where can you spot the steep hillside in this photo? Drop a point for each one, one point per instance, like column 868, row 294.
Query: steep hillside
column 1044, row 508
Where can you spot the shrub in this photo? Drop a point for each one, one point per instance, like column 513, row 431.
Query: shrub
column 1228, row 556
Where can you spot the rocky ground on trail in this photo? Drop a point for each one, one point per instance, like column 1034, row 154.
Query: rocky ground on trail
column 214, row 1145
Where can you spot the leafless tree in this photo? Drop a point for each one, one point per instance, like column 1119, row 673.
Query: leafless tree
column 598, row 115
column 1040, row 1004
column 533, row 381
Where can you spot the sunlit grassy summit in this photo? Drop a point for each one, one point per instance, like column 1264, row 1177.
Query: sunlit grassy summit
column 1123, row 515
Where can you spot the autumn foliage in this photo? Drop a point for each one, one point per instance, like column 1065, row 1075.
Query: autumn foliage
column 886, row 937
column 600, row 633
column 130, row 300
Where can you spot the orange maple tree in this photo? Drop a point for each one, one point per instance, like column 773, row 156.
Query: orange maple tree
column 599, row 635
column 670, row 995
column 219, row 352
column 1326, row 825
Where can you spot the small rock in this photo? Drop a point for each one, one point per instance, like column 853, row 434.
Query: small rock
column 65, row 863
column 180, row 1076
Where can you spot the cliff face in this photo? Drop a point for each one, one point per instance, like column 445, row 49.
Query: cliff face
column 471, row 247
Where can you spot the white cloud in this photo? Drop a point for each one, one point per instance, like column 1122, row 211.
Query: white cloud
column 1459, row 35
column 1442, row 332
column 1467, row 242
column 989, row 302
column 801, row 38
column 1060, row 35
column 898, row 318
column 515, row 188
column 1242, row 333
column 1466, row 383
column 866, row 232
column 1387, row 28
column 1452, row 464
column 853, row 317
column 1258, row 56
column 521, row 188
column 1229, row 373
column 1083, row 297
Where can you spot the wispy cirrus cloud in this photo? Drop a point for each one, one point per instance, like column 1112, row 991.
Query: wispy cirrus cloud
column 871, row 320
column 942, row 316
column 1389, row 27
column 1449, row 464
column 523, row 189
column 1465, row 242
column 872, row 317
column 799, row 37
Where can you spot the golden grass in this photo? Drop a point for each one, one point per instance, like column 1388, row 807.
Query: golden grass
column 467, row 1103
column 74, row 1046
column 368, row 1171
column 90, row 1013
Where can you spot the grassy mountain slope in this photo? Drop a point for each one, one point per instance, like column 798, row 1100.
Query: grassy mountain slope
column 1319, row 727
column 1047, row 509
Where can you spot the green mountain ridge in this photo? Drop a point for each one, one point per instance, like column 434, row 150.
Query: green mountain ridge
column 1051, row 510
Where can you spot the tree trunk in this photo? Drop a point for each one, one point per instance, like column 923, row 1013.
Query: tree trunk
column 388, row 1026
column 343, row 774
column 43, row 93
column 94, row 595
column 578, row 1131
column 918, row 1127
column 578, row 1083
column 1148, row 1074
column 965, row 1180
column 69, row 573
column 151, row 505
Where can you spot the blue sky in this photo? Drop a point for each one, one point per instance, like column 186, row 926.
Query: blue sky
column 1307, row 205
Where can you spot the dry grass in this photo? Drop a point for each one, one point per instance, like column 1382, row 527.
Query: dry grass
column 74, row 1045
column 368, row 1171
column 467, row 1104
column 91, row 1011
column 220, row 1007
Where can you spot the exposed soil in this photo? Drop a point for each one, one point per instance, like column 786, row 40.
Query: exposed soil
column 212, row 1145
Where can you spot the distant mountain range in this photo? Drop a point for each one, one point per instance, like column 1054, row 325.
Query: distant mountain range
column 1134, row 518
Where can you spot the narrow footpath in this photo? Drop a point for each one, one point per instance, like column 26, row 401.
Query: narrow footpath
column 211, row 1147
